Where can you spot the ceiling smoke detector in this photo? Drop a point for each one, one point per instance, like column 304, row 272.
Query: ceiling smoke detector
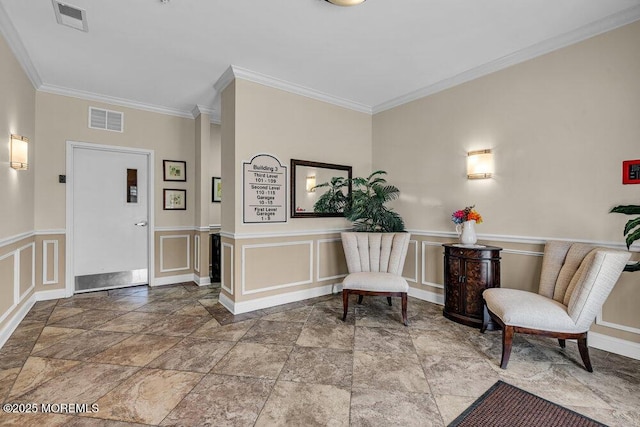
column 71, row 16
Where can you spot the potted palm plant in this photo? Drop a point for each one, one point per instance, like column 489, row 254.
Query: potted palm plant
column 631, row 230
column 367, row 211
column 365, row 207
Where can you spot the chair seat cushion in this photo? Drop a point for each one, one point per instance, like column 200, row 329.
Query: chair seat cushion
column 375, row 282
column 529, row 310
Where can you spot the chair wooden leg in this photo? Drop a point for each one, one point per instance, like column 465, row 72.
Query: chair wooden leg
column 485, row 318
column 507, row 341
column 562, row 342
column 345, row 303
column 584, row 352
column 389, row 300
column 360, row 299
column 404, row 309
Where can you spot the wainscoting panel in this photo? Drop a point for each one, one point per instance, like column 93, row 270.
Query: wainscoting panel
column 8, row 278
column 50, row 260
column 624, row 299
column 432, row 264
column 17, row 282
column 271, row 266
column 196, row 253
column 27, row 269
column 410, row 271
column 227, row 264
column 175, row 253
column 331, row 263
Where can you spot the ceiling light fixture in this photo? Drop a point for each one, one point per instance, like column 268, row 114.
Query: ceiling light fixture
column 346, row 2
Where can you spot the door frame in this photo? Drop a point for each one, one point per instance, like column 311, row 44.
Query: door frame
column 73, row 145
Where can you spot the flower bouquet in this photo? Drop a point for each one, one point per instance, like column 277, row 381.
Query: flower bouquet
column 465, row 220
column 466, row 214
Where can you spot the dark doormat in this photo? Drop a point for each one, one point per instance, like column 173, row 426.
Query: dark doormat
column 504, row 405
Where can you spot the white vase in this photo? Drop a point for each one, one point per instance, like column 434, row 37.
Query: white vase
column 467, row 232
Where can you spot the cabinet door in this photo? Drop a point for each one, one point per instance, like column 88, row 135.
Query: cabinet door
column 452, row 288
column 478, row 278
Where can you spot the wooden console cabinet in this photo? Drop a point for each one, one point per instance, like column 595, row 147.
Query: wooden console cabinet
column 468, row 271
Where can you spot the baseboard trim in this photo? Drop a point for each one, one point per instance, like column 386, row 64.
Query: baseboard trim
column 427, row 296
column 170, row 280
column 202, row 281
column 52, row 294
column 15, row 320
column 614, row 345
column 273, row 301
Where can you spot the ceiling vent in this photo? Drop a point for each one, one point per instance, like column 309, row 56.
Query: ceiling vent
column 106, row 119
column 71, row 16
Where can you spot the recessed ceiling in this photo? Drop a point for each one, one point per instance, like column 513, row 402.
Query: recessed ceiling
column 168, row 56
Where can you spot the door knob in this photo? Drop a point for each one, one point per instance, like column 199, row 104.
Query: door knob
column 141, row 224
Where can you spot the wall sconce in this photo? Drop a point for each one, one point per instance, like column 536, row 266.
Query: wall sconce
column 479, row 164
column 311, row 184
column 19, row 152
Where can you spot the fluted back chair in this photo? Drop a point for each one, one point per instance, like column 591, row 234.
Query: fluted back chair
column 375, row 262
column 575, row 282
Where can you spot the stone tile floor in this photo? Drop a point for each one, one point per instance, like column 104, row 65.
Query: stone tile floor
column 174, row 356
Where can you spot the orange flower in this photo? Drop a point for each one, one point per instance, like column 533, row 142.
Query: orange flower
column 474, row 215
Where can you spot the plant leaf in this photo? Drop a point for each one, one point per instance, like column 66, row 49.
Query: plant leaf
column 626, row 209
column 632, row 237
column 631, row 225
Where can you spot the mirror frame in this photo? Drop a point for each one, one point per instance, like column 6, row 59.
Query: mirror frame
column 292, row 176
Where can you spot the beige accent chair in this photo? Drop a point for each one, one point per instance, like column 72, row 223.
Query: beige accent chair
column 375, row 262
column 576, row 280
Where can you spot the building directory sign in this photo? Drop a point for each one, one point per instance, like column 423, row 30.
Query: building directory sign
column 265, row 190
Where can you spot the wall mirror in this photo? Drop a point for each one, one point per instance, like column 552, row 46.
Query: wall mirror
column 309, row 201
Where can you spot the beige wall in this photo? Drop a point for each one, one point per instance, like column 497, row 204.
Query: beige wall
column 62, row 118
column 291, row 126
column 228, row 158
column 215, row 169
column 17, row 116
column 560, row 126
column 201, row 164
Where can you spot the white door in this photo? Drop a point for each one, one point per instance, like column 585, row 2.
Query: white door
column 110, row 218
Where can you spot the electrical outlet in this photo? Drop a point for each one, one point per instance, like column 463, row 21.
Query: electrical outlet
column 62, row 179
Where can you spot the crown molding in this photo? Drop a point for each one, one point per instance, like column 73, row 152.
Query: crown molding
column 223, row 81
column 609, row 23
column 235, row 72
column 214, row 115
column 10, row 34
column 90, row 96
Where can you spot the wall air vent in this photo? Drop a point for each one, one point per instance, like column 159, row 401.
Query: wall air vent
column 106, row 119
column 71, row 16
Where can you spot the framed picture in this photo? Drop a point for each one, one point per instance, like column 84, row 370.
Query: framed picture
column 174, row 170
column 216, row 189
column 174, row 199
column 631, row 172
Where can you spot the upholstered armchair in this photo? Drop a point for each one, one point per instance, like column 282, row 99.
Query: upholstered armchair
column 576, row 280
column 375, row 262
